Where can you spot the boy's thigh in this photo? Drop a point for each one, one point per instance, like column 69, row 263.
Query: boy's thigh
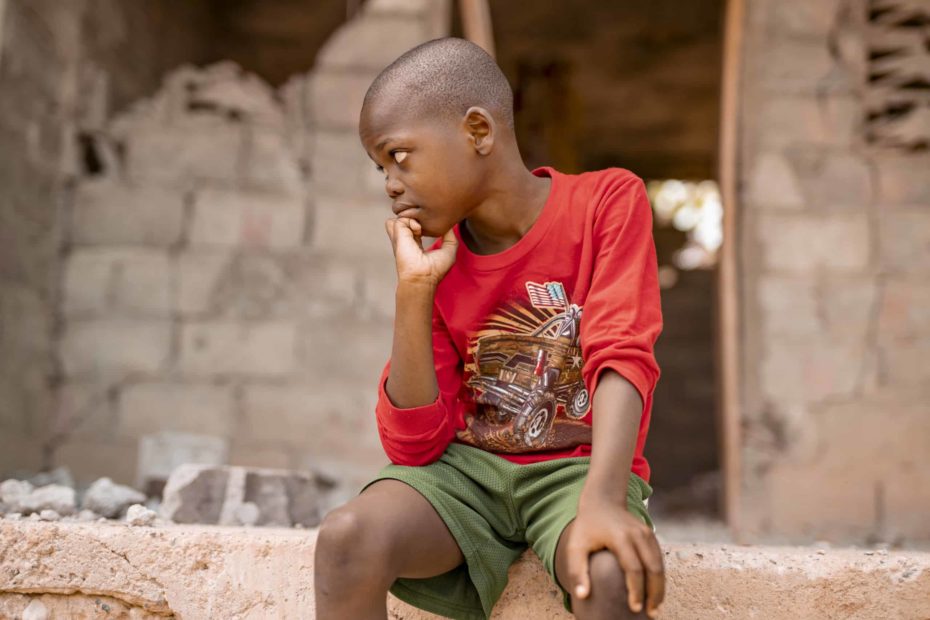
column 397, row 519
column 548, row 502
column 470, row 490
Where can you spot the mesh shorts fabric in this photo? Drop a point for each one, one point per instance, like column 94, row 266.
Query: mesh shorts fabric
column 495, row 509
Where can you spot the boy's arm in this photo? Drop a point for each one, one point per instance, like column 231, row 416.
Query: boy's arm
column 621, row 321
column 413, row 409
column 603, row 520
column 622, row 316
column 412, row 380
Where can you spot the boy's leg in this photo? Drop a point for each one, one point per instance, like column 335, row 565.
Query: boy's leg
column 548, row 499
column 608, row 595
column 388, row 531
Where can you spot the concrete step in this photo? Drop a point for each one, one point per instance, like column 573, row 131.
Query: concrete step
column 109, row 569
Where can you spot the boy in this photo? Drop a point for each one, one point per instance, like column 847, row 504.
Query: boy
column 532, row 316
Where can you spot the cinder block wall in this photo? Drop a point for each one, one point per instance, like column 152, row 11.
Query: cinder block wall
column 62, row 66
column 834, row 262
column 227, row 275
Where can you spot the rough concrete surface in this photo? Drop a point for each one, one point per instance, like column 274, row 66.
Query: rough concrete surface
column 85, row 570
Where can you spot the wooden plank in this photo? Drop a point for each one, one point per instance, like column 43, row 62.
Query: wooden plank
column 476, row 23
column 728, row 301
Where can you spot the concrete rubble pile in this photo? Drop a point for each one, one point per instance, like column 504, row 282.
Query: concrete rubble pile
column 53, row 496
column 195, row 493
column 244, row 496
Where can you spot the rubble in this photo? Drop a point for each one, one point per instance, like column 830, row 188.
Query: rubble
column 248, row 513
column 110, row 500
column 137, row 514
column 21, row 496
column 195, row 493
column 231, row 495
column 60, row 475
column 51, row 496
column 12, row 490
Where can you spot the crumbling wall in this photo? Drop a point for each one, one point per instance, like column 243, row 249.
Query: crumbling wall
column 228, row 289
column 835, row 228
column 62, row 64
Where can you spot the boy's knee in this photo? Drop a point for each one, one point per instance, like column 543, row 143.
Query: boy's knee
column 607, row 578
column 338, row 526
column 345, row 537
column 608, row 597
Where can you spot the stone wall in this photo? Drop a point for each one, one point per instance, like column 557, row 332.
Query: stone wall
column 62, row 65
column 834, row 266
column 228, row 288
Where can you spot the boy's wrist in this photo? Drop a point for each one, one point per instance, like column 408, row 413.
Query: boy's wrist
column 416, row 286
column 600, row 491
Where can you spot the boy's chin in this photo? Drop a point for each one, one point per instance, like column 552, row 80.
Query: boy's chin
column 435, row 233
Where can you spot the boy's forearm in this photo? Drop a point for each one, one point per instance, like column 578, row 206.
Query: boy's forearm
column 617, row 411
column 412, row 378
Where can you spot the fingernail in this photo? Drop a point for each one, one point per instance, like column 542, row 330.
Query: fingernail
column 579, row 591
column 636, row 607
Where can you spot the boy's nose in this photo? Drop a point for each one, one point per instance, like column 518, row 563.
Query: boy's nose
column 393, row 187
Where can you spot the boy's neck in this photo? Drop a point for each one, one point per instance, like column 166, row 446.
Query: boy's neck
column 516, row 197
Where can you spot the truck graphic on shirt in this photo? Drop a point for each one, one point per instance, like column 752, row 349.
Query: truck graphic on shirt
column 524, row 378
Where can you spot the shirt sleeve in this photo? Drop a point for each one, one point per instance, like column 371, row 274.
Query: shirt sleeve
column 622, row 316
column 419, row 435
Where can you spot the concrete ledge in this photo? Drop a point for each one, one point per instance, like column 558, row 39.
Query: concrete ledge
column 86, row 570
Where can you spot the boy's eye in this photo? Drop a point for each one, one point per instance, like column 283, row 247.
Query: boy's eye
column 399, row 156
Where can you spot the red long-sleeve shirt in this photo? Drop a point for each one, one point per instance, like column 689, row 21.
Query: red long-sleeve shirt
column 521, row 337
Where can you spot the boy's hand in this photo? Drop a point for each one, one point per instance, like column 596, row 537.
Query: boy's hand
column 414, row 264
column 605, row 524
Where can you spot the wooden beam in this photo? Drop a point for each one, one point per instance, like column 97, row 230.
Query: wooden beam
column 476, row 23
column 728, row 300
column 2, row 14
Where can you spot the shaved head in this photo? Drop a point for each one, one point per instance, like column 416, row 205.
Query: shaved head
column 445, row 77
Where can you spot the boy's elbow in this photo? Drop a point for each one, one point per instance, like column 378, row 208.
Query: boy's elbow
column 415, row 461
column 412, row 453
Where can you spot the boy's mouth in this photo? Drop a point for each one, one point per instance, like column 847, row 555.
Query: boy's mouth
column 404, row 210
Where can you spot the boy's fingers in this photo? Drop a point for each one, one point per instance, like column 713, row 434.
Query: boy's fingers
column 651, row 556
column 417, row 231
column 389, row 226
column 449, row 244
column 450, row 238
column 402, row 229
column 629, row 560
column 578, row 571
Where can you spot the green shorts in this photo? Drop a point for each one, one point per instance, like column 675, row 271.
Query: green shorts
column 495, row 509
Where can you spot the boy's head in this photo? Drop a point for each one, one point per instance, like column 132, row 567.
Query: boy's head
column 438, row 122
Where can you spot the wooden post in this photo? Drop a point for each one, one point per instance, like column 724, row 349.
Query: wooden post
column 728, row 300
column 2, row 15
column 476, row 22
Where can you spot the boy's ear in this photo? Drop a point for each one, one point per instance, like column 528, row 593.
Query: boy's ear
column 481, row 129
